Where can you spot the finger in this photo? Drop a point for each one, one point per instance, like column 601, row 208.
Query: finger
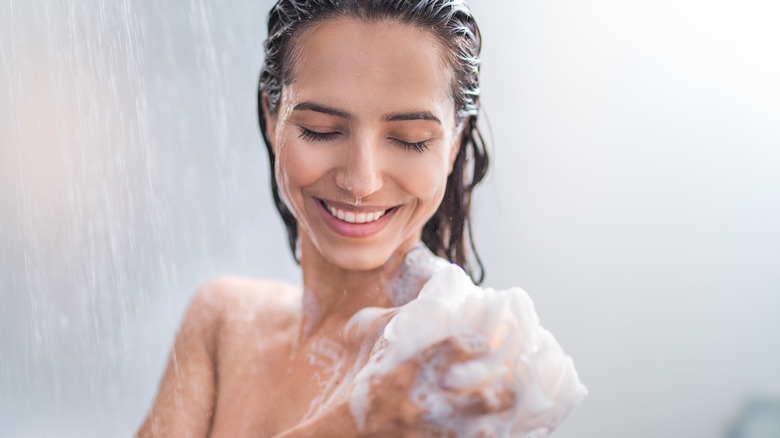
column 400, row 379
column 389, row 401
column 457, row 348
column 431, row 430
column 409, row 414
column 485, row 401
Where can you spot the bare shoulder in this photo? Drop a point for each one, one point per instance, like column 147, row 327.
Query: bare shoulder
column 228, row 308
column 225, row 316
column 231, row 301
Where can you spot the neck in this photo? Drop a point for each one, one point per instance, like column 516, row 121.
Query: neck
column 332, row 295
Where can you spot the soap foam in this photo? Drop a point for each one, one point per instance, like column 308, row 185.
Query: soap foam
column 418, row 267
column 521, row 355
column 329, row 358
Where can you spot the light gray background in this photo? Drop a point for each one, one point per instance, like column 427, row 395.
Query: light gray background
column 634, row 193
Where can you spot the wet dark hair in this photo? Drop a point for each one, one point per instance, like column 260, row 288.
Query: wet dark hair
column 454, row 26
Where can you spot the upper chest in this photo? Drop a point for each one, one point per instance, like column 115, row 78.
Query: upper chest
column 266, row 384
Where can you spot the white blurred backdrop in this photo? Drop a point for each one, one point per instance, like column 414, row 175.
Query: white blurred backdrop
column 634, row 193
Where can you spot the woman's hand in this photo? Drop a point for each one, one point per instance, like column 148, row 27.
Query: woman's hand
column 393, row 410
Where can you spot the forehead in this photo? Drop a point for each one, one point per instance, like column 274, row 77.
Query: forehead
column 384, row 62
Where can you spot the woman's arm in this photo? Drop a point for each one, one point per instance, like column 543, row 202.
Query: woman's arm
column 391, row 413
column 335, row 422
column 185, row 402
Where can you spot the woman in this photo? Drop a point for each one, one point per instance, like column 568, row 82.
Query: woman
column 368, row 109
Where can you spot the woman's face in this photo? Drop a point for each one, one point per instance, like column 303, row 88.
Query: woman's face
column 365, row 138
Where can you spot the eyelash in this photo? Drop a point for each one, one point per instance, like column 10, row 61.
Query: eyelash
column 419, row 147
column 310, row 135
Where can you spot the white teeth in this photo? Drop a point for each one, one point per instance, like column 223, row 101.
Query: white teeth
column 355, row 218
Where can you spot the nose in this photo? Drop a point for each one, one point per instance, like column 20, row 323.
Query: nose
column 360, row 174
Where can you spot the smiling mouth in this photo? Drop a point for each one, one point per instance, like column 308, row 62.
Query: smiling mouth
column 354, row 217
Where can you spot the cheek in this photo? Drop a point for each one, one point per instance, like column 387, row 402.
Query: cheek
column 299, row 165
column 296, row 168
column 426, row 179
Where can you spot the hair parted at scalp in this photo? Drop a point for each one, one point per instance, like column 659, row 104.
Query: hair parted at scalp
column 455, row 28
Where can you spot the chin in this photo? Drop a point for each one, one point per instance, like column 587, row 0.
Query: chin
column 354, row 259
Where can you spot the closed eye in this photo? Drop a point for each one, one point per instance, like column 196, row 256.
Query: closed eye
column 420, row 146
column 309, row 135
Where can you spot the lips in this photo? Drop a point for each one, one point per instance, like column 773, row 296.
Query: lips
column 352, row 217
column 355, row 223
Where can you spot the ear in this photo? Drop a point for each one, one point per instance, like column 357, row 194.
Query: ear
column 456, row 145
column 270, row 121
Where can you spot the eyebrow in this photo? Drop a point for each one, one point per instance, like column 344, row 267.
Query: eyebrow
column 422, row 115
column 311, row 106
column 400, row 117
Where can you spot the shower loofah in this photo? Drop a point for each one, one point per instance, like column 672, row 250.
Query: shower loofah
column 520, row 355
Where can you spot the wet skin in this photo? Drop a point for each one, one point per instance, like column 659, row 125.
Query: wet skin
column 367, row 126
